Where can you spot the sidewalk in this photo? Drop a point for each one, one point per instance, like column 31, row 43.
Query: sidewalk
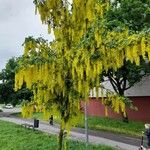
column 115, row 140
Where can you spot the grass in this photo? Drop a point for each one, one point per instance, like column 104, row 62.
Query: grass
column 133, row 128
column 16, row 137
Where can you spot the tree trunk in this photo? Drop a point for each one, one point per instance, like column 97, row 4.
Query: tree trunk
column 125, row 117
column 60, row 138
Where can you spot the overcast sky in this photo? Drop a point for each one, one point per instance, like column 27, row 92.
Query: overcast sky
column 17, row 21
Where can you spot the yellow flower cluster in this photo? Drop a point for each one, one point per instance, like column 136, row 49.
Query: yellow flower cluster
column 114, row 101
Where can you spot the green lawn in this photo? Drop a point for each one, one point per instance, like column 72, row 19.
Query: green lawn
column 133, row 128
column 16, row 137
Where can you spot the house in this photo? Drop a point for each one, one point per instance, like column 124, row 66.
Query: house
column 139, row 94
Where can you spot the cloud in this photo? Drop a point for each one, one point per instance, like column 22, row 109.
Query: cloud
column 17, row 21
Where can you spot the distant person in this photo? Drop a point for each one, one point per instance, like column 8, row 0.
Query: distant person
column 147, row 133
column 51, row 120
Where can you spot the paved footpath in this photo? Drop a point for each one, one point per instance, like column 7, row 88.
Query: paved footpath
column 115, row 140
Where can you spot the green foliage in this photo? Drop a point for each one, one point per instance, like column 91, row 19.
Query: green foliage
column 7, row 78
column 15, row 137
column 134, row 14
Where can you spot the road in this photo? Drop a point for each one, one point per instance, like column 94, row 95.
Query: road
column 8, row 112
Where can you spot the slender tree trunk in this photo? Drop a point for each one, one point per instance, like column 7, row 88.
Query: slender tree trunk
column 60, row 138
column 125, row 117
column 86, row 123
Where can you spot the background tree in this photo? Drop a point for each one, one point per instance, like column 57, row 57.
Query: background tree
column 7, row 78
column 136, row 16
column 133, row 14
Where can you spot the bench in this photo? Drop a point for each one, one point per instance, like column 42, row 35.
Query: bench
column 26, row 125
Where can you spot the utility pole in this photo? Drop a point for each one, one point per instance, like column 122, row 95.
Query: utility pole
column 86, row 123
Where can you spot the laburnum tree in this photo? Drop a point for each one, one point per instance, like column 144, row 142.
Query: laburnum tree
column 62, row 72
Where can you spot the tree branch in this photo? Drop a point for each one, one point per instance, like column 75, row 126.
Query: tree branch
column 114, row 85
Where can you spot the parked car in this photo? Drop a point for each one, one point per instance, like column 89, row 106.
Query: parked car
column 1, row 109
column 8, row 106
